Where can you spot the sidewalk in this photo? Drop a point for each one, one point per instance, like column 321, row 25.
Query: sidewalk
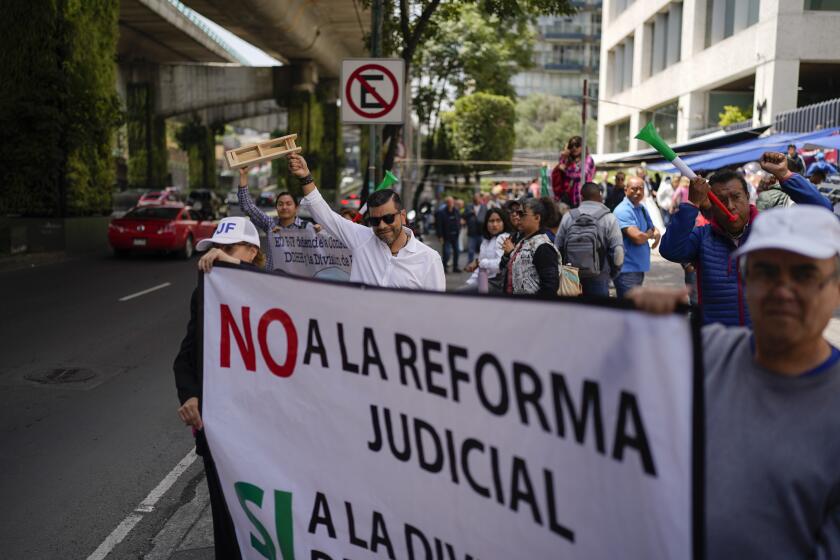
column 188, row 533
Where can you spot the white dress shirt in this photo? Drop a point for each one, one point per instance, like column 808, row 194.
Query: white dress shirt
column 489, row 257
column 415, row 266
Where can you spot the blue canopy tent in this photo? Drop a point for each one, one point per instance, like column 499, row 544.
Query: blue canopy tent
column 830, row 142
column 744, row 152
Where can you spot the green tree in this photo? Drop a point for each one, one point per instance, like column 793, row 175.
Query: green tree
column 412, row 23
column 483, row 127
column 547, row 122
column 733, row 114
column 59, row 109
column 199, row 141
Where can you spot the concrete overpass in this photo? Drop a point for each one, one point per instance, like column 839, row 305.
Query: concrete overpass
column 323, row 31
column 158, row 31
column 171, row 65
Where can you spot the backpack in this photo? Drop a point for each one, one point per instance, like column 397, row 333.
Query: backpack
column 582, row 247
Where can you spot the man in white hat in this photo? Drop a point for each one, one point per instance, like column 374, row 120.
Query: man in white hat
column 235, row 241
column 773, row 395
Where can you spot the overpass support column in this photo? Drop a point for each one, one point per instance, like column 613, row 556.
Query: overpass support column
column 331, row 146
column 147, row 154
column 199, row 141
column 306, row 117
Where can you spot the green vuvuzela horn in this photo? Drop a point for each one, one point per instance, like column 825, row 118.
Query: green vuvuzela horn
column 388, row 180
column 648, row 134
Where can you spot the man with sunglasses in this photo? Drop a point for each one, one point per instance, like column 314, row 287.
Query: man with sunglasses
column 772, row 395
column 384, row 254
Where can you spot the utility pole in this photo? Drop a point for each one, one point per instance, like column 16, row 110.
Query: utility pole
column 584, row 100
column 375, row 52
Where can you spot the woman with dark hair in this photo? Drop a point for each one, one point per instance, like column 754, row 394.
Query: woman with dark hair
column 495, row 230
column 533, row 266
column 571, row 172
column 552, row 217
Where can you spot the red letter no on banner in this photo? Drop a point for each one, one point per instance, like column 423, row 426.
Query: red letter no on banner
column 245, row 344
column 286, row 369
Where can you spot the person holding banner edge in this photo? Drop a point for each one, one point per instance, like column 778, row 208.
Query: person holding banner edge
column 236, row 242
column 384, row 254
column 772, row 394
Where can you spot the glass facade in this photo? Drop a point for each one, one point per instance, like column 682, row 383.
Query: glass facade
column 725, row 18
column 826, row 5
column 618, row 137
column 664, row 120
column 566, row 52
column 621, row 65
column 665, row 32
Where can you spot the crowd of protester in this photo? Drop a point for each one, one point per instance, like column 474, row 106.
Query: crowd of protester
column 767, row 283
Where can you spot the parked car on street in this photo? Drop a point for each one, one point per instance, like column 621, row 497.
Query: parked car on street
column 207, row 203
column 158, row 197
column 170, row 227
column 352, row 200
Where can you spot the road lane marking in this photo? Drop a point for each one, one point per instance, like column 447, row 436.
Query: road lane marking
column 116, row 536
column 146, row 506
column 144, row 292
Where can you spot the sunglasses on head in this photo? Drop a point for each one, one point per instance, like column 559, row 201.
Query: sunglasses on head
column 374, row 221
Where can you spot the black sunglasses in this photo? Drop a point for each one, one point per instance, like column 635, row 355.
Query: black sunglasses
column 387, row 218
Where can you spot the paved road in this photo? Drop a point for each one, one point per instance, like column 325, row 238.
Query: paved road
column 78, row 457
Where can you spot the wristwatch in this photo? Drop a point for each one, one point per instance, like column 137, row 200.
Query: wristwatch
column 306, row 180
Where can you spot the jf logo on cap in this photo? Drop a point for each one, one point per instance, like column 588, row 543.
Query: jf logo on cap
column 229, row 231
column 803, row 229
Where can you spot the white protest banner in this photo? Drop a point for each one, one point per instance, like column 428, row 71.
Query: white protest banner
column 374, row 423
column 303, row 252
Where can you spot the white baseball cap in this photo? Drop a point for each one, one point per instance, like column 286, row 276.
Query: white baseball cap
column 804, row 229
column 232, row 230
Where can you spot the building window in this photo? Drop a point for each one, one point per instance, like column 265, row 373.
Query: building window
column 725, row 18
column 666, row 34
column 619, row 6
column 664, row 120
column 621, row 62
column 826, row 5
column 618, row 137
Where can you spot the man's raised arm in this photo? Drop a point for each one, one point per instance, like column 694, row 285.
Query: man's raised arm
column 798, row 188
column 351, row 234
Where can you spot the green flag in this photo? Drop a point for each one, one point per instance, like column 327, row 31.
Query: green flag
column 545, row 183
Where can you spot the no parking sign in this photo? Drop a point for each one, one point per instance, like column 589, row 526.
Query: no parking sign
column 372, row 91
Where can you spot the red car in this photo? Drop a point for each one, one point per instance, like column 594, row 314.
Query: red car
column 351, row 201
column 170, row 227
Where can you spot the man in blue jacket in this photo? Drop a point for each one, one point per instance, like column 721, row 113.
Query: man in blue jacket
column 710, row 247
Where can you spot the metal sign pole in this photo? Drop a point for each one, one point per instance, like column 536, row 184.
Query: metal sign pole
column 376, row 52
column 583, row 133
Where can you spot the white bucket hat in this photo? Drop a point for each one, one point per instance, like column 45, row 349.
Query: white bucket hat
column 232, row 230
column 804, row 229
